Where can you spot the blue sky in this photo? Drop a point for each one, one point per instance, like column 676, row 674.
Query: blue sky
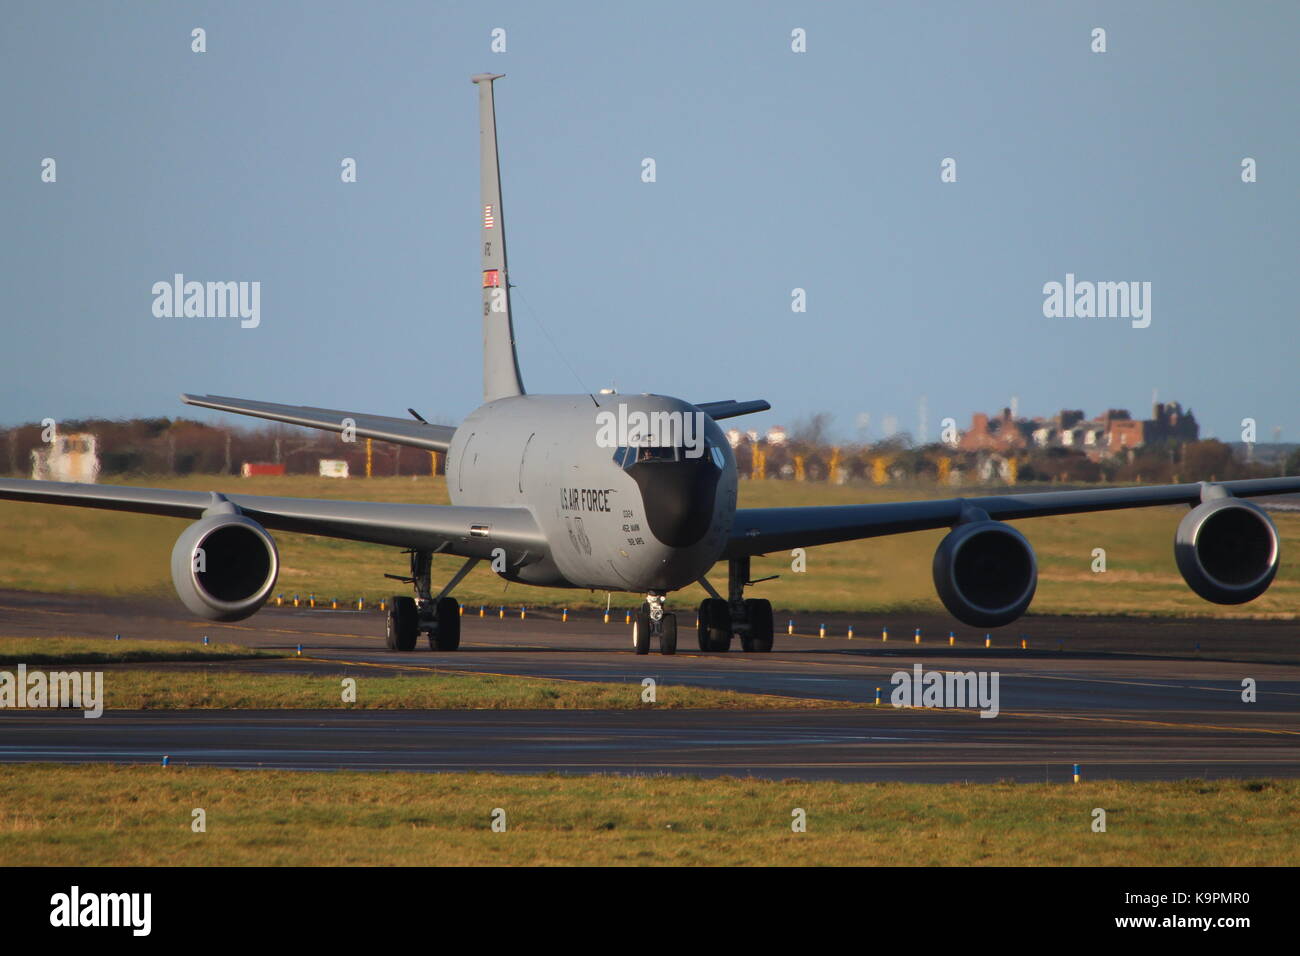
column 775, row 170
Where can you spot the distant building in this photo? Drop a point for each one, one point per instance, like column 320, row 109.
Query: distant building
column 1111, row 434
column 1168, row 422
column 1001, row 434
column 250, row 469
column 71, row 457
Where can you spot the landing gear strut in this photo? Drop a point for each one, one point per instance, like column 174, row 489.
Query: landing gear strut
column 652, row 620
column 438, row 616
column 720, row 618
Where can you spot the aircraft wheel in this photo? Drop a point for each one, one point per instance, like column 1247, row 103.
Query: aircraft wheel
column 445, row 635
column 641, row 630
column 403, row 624
column 668, row 634
column 714, row 630
column 759, row 639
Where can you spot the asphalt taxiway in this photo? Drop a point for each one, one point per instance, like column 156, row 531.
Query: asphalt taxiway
column 1123, row 698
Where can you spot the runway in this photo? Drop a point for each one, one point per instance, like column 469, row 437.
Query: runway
column 1162, row 709
column 843, row 745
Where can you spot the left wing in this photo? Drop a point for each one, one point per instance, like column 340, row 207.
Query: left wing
column 760, row 530
column 448, row 529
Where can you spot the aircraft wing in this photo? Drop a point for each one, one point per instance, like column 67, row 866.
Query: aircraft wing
column 399, row 431
column 760, row 530
column 448, row 529
column 731, row 408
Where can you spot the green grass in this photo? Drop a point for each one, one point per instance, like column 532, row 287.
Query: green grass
column 82, row 550
column 177, row 690
column 144, row 688
column 131, row 816
column 77, row 650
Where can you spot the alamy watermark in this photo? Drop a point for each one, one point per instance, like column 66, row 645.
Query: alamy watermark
column 75, row 908
column 947, row 689
column 1084, row 299
column 208, row 300
column 659, row 429
column 76, row 690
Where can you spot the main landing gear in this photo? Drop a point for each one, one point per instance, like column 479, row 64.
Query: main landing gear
column 439, row 616
column 652, row 621
column 748, row 619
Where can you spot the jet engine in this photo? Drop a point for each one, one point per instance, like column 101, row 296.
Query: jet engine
column 1227, row 550
column 224, row 567
column 985, row 573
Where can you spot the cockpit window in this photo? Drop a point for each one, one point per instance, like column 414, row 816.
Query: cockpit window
column 656, row 453
column 626, row 456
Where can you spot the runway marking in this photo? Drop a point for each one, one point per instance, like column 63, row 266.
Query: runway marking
column 250, row 760
column 1134, row 683
column 28, row 610
column 1152, row 723
column 852, row 665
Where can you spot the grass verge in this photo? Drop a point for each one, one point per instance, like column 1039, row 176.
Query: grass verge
column 132, row 688
column 76, row 650
column 114, row 815
column 179, row 690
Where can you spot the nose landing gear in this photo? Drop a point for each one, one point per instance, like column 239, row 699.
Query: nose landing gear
column 651, row 620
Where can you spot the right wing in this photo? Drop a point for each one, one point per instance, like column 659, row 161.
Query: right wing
column 399, row 431
column 730, row 408
column 468, row 531
column 762, row 530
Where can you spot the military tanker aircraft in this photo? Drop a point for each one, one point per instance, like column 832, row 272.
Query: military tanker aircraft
column 630, row 493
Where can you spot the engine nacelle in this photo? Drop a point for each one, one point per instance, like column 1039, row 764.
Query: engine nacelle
column 224, row 567
column 1227, row 550
column 985, row 573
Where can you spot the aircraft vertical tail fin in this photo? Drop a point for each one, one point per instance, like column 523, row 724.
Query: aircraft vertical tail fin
column 500, row 361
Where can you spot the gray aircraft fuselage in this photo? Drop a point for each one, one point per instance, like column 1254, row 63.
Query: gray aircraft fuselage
column 653, row 525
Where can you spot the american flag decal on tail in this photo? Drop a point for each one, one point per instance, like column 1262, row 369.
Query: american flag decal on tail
column 489, row 220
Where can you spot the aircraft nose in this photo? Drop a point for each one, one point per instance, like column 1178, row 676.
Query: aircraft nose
column 678, row 497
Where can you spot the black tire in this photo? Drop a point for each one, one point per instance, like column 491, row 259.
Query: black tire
column 668, row 634
column 445, row 634
column 641, row 630
column 759, row 639
column 403, row 624
column 714, row 631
